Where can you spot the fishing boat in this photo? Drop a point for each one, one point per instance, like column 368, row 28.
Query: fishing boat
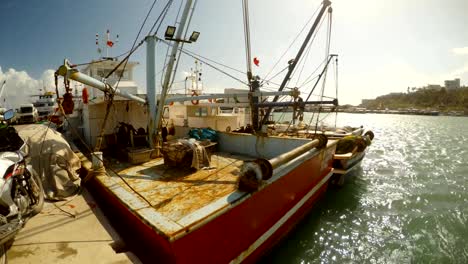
column 351, row 147
column 46, row 105
column 224, row 197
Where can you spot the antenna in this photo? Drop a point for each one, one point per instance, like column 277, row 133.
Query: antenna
column 97, row 44
column 109, row 42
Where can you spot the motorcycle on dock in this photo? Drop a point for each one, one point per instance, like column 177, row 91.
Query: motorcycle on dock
column 21, row 191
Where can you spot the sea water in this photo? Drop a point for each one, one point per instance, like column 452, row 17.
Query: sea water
column 406, row 203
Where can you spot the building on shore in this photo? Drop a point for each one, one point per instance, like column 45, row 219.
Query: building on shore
column 452, row 84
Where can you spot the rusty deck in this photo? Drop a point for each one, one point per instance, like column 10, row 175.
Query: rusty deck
column 176, row 198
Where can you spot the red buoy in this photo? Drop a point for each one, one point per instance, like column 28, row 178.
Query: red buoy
column 84, row 95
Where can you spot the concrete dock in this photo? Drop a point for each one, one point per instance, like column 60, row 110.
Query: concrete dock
column 73, row 231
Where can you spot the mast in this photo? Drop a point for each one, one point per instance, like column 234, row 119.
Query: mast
column 292, row 66
column 254, row 84
column 154, row 139
column 151, row 87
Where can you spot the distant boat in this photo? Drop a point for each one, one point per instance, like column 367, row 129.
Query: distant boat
column 46, row 105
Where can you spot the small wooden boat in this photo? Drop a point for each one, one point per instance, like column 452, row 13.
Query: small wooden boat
column 350, row 152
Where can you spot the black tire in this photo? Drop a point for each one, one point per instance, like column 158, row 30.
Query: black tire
column 36, row 185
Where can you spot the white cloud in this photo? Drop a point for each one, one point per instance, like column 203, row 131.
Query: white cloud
column 460, row 51
column 19, row 87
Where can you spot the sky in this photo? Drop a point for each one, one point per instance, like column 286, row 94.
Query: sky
column 383, row 46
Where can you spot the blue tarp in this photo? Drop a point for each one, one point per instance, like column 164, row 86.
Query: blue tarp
column 203, row 133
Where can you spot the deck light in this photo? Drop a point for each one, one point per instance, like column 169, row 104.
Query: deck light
column 170, row 31
column 194, row 36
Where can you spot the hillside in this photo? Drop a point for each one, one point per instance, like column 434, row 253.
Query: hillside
column 423, row 98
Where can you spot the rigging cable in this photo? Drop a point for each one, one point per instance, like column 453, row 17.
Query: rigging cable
column 327, row 54
column 111, row 95
column 205, row 62
column 170, row 45
column 213, row 61
column 290, row 45
column 336, row 88
column 308, row 79
column 89, row 149
column 303, row 59
column 161, row 16
column 182, row 45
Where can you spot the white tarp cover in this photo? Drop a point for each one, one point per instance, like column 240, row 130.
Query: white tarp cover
column 52, row 159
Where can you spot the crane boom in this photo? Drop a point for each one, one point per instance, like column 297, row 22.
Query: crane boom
column 1, row 88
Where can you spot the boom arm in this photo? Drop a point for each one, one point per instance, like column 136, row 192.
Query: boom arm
column 68, row 72
column 1, row 88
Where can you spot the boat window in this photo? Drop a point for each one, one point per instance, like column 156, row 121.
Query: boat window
column 201, row 111
column 102, row 72
column 226, row 110
column 27, row 109
column 124, row 76
column 166, row 113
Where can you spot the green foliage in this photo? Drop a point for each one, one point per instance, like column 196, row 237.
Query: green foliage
column 453, row 99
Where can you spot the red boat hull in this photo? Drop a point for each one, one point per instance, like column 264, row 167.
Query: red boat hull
column 242, row 233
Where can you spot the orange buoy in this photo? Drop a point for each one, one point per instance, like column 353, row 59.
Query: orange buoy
column 195, row 102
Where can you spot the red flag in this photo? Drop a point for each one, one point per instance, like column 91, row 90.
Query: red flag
column 256, row 61
column 110, row 43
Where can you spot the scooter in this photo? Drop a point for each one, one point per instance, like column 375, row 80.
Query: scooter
column 21, row 191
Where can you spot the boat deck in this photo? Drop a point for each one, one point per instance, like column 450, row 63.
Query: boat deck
column 176, row 198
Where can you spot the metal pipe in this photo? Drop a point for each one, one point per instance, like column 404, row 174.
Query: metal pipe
column 68, row 72
column 288, row 156
column 170, row 66
column 151, row 86
column 282, row 104
column 226, row 95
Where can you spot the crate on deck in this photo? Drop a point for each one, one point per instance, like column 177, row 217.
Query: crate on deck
column 138, row 155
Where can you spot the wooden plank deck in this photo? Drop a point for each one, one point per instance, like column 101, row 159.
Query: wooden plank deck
column 178, row 197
